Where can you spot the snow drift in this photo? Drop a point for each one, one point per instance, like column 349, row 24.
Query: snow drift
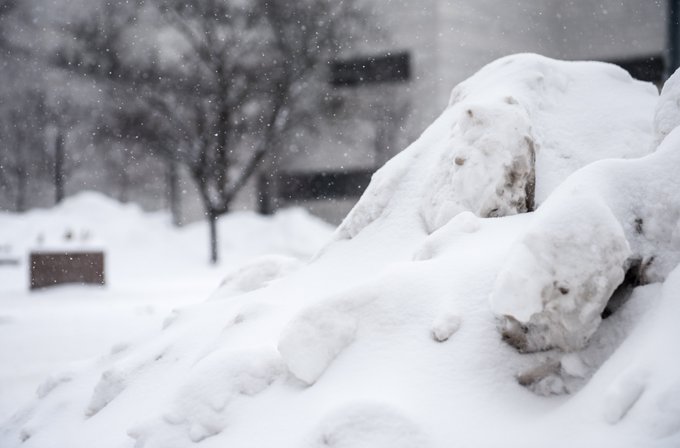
column 390, row 337
column 151, row 268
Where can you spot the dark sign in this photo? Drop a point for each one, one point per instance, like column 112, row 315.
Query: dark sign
column 55, row 268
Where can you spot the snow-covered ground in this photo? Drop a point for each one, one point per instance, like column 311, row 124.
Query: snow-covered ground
column 151, row 268
column 460, row 303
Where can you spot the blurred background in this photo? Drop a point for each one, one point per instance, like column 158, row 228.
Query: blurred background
column 142, row 139
column 208, row 106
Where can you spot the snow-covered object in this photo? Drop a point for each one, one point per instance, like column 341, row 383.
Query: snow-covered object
column 607, row 218
column 511, row 134
column 340, row 352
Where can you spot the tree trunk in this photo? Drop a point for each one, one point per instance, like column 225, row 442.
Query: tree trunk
column 124, row 187
column 267, row 182
column 266, row 192
column 212, row 222
column 22, row 184
column 59, row 167
column 173, row 193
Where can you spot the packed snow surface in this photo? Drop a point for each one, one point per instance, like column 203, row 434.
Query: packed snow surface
column 445, row 311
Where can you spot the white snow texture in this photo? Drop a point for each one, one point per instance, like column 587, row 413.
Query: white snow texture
column 502, row 221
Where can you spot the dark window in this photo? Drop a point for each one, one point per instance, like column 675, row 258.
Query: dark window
column 392, row 67
column 645, row 68
column 324, row 185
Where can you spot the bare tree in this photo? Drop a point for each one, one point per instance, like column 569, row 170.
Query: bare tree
column 242, row 76
column 22, row 146
column 257, row 70
column 63, row 116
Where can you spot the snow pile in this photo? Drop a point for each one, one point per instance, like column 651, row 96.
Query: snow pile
column 611, row 217
column 510, row 135
column 390, row 338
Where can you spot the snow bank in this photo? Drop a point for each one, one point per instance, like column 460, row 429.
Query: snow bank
column 389, row 337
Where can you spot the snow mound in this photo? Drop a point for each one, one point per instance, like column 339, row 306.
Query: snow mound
column 609, row 218
column 511, row 134
column 365, row 345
